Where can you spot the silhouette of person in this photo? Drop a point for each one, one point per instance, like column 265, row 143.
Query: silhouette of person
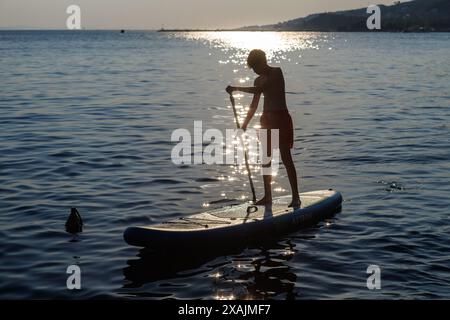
column 270, row 83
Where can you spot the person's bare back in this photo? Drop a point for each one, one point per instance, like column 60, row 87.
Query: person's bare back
column 273, row 89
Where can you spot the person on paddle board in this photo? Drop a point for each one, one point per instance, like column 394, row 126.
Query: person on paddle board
column 270, row 83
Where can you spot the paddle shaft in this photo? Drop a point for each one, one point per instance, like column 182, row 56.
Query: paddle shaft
column 245, row 151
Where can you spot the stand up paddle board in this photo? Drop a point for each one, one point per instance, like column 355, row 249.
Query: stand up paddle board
column 234, row 225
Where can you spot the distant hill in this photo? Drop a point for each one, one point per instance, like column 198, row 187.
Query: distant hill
column 413, row 16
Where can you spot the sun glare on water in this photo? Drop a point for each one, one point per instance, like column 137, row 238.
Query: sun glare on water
column 273, row 43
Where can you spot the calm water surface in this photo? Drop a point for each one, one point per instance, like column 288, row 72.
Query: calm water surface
column 86, row 121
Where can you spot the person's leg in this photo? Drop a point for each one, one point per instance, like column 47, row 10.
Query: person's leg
column 267, row 199
column 267, row 167
column 286, row 157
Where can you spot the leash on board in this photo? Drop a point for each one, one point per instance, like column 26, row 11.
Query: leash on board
column 251, row 208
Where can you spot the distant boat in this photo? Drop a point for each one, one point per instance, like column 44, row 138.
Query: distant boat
column 122, row 31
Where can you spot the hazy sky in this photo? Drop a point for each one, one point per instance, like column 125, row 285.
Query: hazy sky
column 153, row 14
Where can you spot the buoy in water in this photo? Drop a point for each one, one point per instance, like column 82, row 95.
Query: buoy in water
column 74, row 223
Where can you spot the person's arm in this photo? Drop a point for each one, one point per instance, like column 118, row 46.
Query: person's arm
column 251, row 111
column 256, row 90
column 252, row 90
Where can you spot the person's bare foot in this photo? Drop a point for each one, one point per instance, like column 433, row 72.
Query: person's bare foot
column 264, row 201
column 295, row 203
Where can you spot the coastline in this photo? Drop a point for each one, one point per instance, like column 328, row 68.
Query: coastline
column 304, row 30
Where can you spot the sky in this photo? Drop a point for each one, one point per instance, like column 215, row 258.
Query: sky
column 154, row 14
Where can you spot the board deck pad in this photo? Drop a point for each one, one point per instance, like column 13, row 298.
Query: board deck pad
column 237, row 214
column 235, row 220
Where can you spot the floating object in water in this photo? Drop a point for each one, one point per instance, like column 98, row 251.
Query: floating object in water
column 74, row 223
column 122, row 31
column 391, row 186
column 234, row 226
column 395, row 185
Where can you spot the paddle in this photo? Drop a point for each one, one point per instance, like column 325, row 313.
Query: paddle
column 255, row 208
